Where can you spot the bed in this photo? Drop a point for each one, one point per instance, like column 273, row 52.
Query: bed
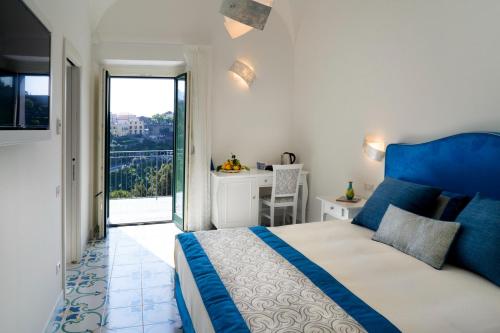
column 331, row 277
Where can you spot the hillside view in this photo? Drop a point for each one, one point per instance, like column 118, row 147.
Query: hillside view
column 141, row 155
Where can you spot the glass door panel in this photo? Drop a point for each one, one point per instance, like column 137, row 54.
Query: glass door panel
column 180, row 134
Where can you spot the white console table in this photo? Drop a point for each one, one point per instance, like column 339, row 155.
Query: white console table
column 235, row 197
column 339, row 210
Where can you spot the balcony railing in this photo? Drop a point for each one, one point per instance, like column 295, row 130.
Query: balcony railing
column 140, row 174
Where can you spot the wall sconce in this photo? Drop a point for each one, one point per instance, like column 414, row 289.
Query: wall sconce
column 243, row 71
column 241, row 16
column 375, row 150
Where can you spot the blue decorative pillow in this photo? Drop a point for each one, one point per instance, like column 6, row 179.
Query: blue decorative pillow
column 415, row 198
column 477, row 245
column 456, row 203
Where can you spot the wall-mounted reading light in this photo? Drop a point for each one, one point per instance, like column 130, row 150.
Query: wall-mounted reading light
column 241, row 16
column 243, row 71
column 375, row 150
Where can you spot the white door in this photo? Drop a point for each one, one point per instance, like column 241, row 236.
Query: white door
column 71, row 138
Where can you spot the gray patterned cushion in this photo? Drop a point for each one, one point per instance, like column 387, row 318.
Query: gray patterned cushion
column 286, row 181
column 423, row 238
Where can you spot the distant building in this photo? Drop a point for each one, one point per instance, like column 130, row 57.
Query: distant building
column 122, row 125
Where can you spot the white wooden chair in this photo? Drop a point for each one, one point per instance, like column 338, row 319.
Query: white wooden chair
column 284, row 194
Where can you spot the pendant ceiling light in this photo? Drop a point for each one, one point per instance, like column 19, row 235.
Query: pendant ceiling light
column 241, row 16
column 235, row 28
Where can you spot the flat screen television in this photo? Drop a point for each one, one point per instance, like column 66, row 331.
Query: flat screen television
column 24, row 69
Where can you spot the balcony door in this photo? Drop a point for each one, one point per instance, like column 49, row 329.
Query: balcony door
column 180, row 144
column 140, row 149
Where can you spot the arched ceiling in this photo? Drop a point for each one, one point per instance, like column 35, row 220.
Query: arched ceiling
column 290, row 11
column 97, row 10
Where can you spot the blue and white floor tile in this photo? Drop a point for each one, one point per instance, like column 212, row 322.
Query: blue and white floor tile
column 124, row 284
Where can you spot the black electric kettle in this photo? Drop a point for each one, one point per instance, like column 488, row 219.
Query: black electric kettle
column 288, row 158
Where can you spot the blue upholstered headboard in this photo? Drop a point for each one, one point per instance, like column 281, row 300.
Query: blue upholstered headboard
column 464, row 163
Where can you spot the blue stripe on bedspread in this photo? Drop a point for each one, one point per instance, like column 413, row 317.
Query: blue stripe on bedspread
column 187, row 324
column 371, row 320
column 221, row 309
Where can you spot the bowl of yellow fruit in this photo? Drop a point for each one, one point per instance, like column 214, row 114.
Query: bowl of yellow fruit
column 232, row 165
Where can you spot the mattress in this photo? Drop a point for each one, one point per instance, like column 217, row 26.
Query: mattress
column 411, row 295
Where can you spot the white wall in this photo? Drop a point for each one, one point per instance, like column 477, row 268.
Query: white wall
column 147, row 52
column 407, row 71
column 31, row 227
column 253, row 123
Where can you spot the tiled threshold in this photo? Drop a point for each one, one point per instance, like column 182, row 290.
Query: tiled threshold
column 124, row 284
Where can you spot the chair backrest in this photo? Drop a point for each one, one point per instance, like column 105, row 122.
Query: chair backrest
column 286, row 180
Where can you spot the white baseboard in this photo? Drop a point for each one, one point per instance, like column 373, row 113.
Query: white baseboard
column 59, row 303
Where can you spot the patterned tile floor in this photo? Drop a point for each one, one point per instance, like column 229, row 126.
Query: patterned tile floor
column 124, row 284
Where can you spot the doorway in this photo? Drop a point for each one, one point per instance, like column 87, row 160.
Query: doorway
column 141, row 126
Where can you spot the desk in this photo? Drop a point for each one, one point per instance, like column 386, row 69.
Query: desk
column 235, row 197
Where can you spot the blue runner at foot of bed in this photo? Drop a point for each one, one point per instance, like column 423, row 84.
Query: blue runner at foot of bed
column 221, row 309
column 370, row 319
column 224, row 313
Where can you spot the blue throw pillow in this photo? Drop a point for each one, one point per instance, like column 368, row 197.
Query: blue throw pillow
column 415, row 198
column 477, row 245
column 456, row 203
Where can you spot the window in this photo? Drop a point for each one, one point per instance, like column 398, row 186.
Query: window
column 24, row 101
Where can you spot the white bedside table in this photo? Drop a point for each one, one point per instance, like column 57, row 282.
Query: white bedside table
column 339, row 210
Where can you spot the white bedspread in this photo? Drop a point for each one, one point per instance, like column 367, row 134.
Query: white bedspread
column 412, row 295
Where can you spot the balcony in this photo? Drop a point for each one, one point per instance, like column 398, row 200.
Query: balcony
column 140, row 186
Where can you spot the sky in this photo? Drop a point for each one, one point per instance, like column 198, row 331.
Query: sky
column 33, row 85
column 37, row 85
column 141, row 96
